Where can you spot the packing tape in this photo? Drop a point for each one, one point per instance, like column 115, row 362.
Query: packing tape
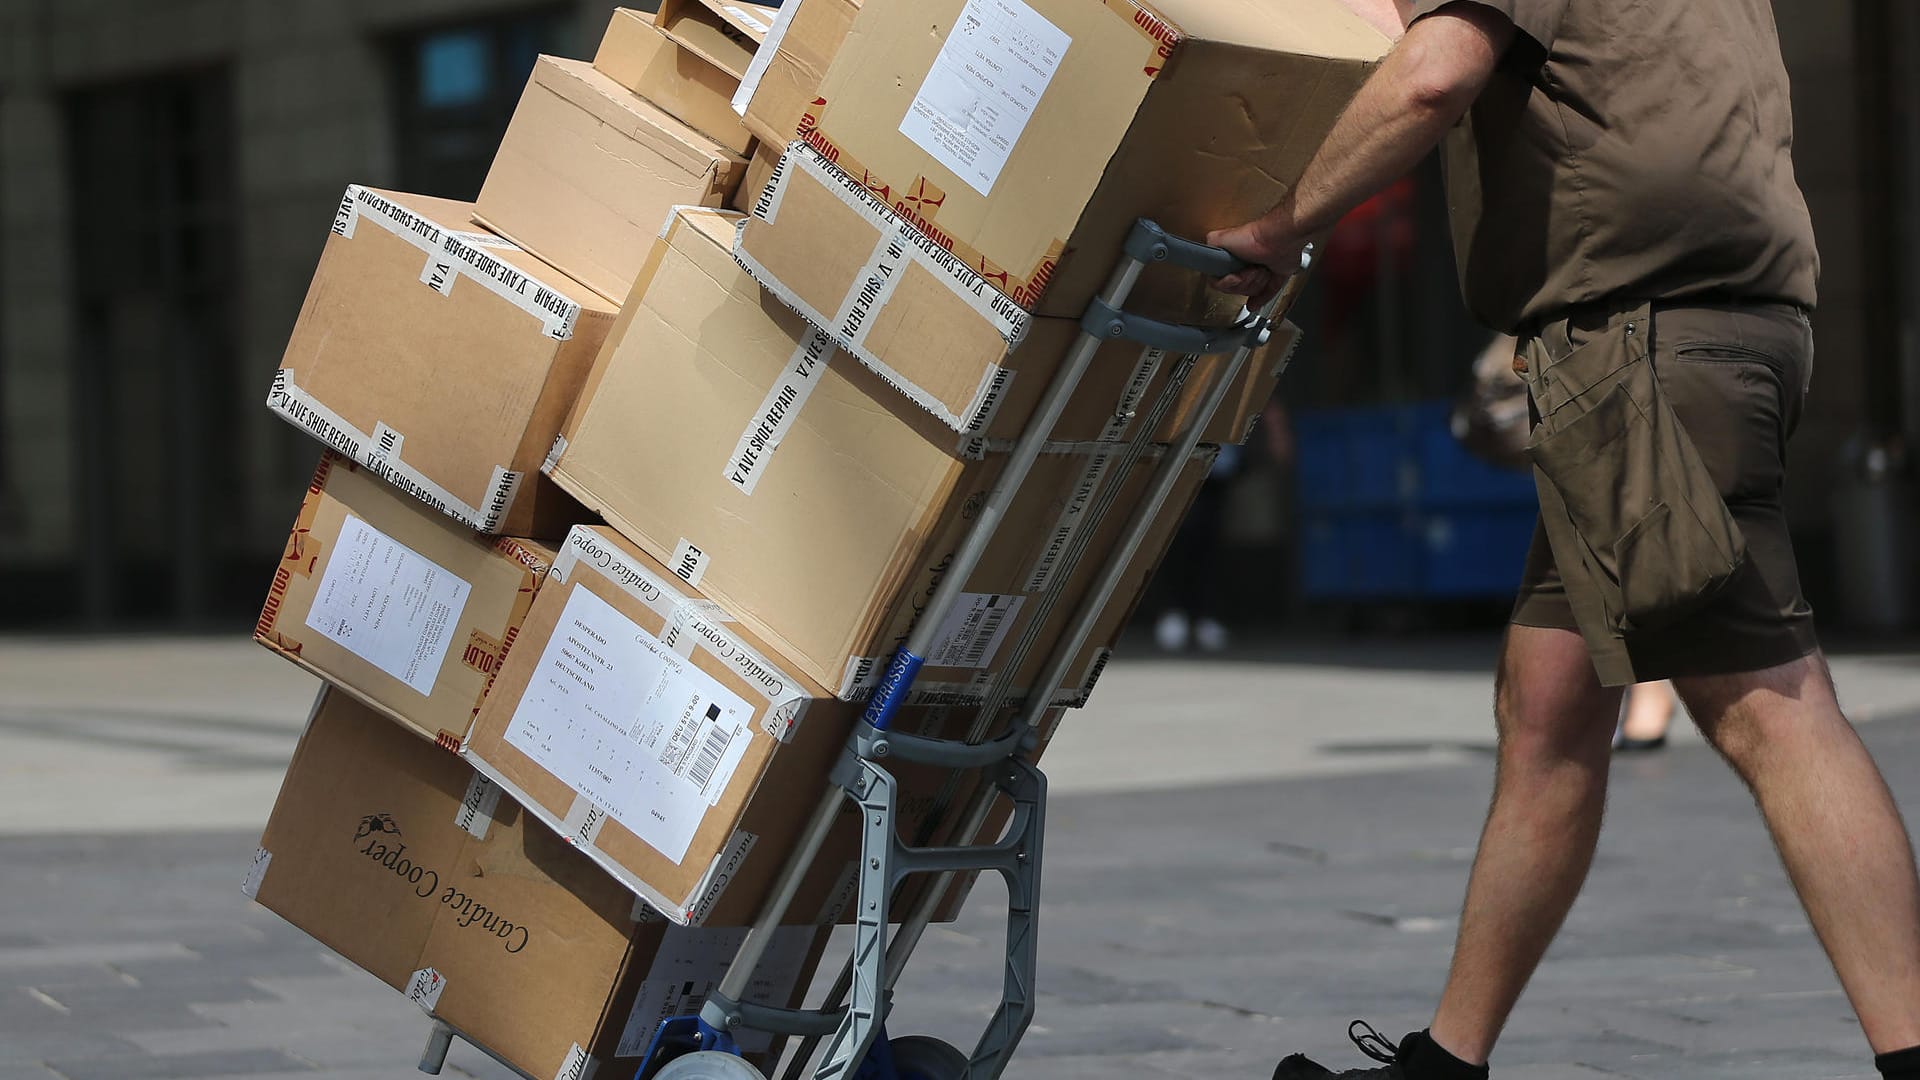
column 257, row 873
column 1072, row 515
column 763, row 57
column 291, row 401
column 555, row 311
column 720, row 874
column 363, row 203
column 554, row 453
column 576, row 1065
column 777, row 412
column 424, row 989
column 689, row 562
column 583, row 821
column 477, row 806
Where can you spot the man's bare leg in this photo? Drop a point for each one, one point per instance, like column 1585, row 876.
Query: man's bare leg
column 1837, row 828
column 1555, row 724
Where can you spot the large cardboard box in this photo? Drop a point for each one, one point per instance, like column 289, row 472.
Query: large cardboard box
column 715, row 420
column 977, row 162
column 588, row 170
column 635, row 54
column 398, row 856
column 783, row 81
column 396, row 604
column 441, row 358
column 662, row 738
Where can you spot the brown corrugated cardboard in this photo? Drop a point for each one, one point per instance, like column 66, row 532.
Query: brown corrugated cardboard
column 589, row 170
column 1104, row 113
column 784, row 80
column 635, row 54
column 441, row 358
column 715, row 419
column 398, row 856
column 724, row 32
column 398, row 605
column 759, row 171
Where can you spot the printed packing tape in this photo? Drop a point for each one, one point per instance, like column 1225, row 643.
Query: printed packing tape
column 899, row 244
column 380, row 452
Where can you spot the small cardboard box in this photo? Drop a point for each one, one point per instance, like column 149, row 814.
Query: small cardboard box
column 716, row 419
column 401, row 858
column 783, row 81
column 589, row 170
column 441, row 358
column 942, row 202
column 396, row 604
column 725, row 33
column 635, row 54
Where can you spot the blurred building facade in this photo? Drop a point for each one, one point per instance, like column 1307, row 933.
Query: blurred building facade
column 168, row 169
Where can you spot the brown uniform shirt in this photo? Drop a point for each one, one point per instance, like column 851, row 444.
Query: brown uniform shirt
column 1634, row 150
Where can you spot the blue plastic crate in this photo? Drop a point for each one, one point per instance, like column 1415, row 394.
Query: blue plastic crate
column 1474, row 553
column 1360, row 556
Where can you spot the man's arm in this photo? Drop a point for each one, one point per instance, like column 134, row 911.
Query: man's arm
column 1425, row 85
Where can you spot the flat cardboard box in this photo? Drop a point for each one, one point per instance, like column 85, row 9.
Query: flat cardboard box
column 725, row 33
column 589, row 170
column 635, row 54
column 759, row 170
column 401, row 858
column 441, row 358
column 783, row 81
column 396, row 604
column 715, row 419
column 1196, row 113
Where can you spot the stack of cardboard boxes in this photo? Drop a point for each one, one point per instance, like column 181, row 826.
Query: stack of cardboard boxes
column 627, row 496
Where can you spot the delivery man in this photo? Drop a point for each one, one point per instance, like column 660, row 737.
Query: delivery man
column 1624, row 202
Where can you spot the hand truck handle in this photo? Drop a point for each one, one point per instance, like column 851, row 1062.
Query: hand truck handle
column 1149, row 243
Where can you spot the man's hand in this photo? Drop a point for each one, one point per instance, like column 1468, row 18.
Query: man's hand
column 1274, row 256
column 1425, row 85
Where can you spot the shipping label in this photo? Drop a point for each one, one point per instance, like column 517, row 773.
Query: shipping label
column 630, row 725
column 996, row 64
column 971, row 635
column 690, row 965
column 386, row 604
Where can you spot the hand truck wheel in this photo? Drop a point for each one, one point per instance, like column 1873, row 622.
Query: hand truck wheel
column 923, row 1057
column 708, row 1065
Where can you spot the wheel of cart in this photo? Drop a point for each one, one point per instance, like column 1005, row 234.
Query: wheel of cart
column 846, row 1038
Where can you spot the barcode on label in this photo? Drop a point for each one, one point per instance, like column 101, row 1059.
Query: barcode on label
column 972, row 634
column 713, row 750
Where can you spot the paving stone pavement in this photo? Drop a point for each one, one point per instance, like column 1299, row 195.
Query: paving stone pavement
column 1200, row 931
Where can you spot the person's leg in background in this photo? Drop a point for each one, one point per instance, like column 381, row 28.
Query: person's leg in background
column 1193, row 571
column 1648, row 716
column 1839, row 833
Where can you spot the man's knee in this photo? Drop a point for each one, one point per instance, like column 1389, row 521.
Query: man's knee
column 1745, row 715
column 1548, row 702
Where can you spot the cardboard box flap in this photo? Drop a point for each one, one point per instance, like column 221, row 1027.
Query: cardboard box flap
column 1323, row 28
column 579, row 83
column 724, row 34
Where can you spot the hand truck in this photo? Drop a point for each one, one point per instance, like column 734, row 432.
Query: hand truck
column 856, row 1047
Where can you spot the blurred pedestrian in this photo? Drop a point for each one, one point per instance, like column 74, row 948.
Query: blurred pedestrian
column 1624, row 202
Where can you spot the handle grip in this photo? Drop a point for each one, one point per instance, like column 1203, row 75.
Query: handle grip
column 1150, row 243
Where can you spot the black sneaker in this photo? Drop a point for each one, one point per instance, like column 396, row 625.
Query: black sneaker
column 1370, row 1042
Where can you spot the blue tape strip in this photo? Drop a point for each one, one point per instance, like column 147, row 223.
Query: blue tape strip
column 892, row 691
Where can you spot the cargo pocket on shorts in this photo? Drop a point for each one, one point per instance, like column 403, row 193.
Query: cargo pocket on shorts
column 1642, row 502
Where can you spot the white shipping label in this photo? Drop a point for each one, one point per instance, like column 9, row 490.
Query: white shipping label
column 972, row 634
column 690, row 965
column 996, row 63
column 630, row 725
column 384, row 603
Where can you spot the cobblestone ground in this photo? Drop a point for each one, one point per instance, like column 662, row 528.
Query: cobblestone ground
column 1196, row 929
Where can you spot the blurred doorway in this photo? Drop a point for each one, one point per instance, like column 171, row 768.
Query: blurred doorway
column 155, row 369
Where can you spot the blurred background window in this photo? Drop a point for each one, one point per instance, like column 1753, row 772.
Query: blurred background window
column 456, row 87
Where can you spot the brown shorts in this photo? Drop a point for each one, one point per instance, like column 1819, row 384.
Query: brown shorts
column 1736, row 376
